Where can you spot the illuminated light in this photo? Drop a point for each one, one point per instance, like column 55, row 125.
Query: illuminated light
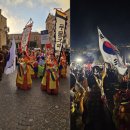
column 129, row 57
column 79, row 60
column 122, row 109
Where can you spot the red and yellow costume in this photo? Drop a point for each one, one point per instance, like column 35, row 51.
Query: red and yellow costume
column 50, row 81
column 63, row 64
column 44, row 80
column 33, row 64
column 23, row 80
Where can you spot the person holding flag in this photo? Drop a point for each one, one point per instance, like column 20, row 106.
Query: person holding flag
column 48, row 47
column 111, row 55
column 50, row 80
column 23, row 80
column 52, row 76
column 25, row 68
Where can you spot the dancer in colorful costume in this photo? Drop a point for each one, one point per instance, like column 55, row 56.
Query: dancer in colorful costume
column 52, row 76
column 44, row 79
column 50, row 81
column 32, row 61
column 41, row 65
column 63, row 65
column 23, row 80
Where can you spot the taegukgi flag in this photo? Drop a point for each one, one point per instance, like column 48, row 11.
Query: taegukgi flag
column 11, row 61
column 110, row 53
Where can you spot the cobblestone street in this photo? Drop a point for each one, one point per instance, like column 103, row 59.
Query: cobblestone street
column 33, row 109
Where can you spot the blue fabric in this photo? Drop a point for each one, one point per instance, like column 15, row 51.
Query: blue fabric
column 41, row 62
column 60, row 67
column 35, row 69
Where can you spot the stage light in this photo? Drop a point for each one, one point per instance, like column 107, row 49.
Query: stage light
column 79, row 60
column 129, row 57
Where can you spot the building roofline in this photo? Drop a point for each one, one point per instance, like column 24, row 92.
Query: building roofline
column 4, row 17
column 67, row 10
column 21, row 33
column 15, row 34
column 48, row 16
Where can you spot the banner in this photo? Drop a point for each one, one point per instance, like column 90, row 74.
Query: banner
column 59, row 30
column 11, row 61
column 44, row 37
column 111, row 54
column 26, row 36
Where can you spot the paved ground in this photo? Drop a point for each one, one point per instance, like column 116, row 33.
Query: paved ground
column 33, row 109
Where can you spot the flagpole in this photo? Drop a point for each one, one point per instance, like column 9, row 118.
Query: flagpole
column 30, row 21
column 128, row 80
column 60, row 53
column 59, row 9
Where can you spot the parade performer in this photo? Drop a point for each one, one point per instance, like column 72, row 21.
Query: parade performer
column 52, row 76
column 32, row 56
column 44, row 79
column 63, row 65
column 41, row 65
column 35, row 64
column 23, row 80
column 32, row 63
column 50, row 81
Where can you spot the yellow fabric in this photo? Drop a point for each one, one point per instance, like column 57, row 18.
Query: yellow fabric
column 72, row 107
column 44, row 80
column 40, row 70
column 63, row 71
column 29, row 79
column 20, row 79
column 52, row 84
column 31, row 70
column 61, row 13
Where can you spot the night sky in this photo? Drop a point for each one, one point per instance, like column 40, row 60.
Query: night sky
column 113, row 18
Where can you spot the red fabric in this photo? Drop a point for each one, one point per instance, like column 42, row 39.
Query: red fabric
column 43, row 87
column 30, row 25
column 48, row 45
column 25, row 85
column 28, row 39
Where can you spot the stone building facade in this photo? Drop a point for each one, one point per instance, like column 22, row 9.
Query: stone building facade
column 35, row 39
column 3, row 30
column 50, row 27
column 50, row 24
